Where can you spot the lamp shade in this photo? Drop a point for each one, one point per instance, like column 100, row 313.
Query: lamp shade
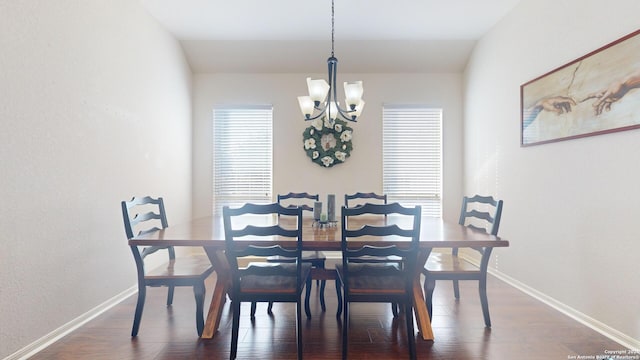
column 306, row 105
column 318, row 90
column 353, row 93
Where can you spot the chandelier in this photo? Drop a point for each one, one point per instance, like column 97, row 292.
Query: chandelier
column 322, row 96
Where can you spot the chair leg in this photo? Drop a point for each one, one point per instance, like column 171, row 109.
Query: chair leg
column 318, row 264
column 253, row 310
column 199, row 292
column 394, row 309
column 339, row 296
column 269, row 308
column 482, row 287
column 345, row 329
column 235, row 327
column 170, row 295
column 429, row 287
column 142, row 293
column 322, row 284
column 323, row 305
column 408, row 317
column 456, row 289
column 299, row 327
column 254, row 307
column 307, row 308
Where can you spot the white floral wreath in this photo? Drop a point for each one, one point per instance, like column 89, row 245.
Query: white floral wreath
column 328, row 143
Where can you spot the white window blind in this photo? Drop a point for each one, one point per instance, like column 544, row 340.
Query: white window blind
column 412, row 156
column 242, row 155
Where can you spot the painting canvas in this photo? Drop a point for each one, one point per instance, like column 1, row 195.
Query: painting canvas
column 596, row 94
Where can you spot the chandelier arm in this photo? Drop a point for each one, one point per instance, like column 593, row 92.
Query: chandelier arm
column 344, row 116
column 332, row 64
column 317, row 116
column 333, row 97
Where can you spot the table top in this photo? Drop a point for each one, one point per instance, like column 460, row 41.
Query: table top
column 209, row 232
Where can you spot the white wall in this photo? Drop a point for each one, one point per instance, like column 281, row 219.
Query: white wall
column 95, row 107
column 571, row 207
column 293, row 170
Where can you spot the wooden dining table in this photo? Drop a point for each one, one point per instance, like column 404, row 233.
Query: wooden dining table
column 208, row 233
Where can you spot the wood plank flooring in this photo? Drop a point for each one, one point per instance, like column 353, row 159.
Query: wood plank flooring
column 523, row 328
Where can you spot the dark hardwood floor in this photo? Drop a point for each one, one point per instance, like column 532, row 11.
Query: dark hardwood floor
column 523, row 328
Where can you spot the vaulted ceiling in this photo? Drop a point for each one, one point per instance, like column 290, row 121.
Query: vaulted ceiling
column 294, row 36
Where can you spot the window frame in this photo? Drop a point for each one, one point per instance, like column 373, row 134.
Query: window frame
column 254, row 127
column 420, row 161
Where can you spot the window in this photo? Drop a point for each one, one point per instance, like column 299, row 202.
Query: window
column 412, row 156
column 242, row 155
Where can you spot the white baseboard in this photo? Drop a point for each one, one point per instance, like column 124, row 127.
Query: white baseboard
column 72, row 325
column 611, row 333
column 604, row 329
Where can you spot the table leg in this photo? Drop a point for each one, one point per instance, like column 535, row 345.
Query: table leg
column 221, row 267
column 419, row 306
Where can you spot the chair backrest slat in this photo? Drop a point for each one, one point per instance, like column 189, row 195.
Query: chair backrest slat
column 250, row 230
column 361, row 195
column 388, row 230
column 302, row 195
column 264, row 251
column 379, row 251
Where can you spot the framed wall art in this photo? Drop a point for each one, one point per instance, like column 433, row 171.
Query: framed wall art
column 595, row 94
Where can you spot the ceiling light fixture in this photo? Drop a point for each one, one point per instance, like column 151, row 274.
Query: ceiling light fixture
column 322, row 96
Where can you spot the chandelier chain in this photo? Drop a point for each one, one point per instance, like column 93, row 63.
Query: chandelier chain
column 332, row 27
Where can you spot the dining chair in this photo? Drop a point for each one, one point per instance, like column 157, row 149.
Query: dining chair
column 259, row 280
column 360, row 198
column 375, row 281
column 144, row 215
column 481, row 213
column 317, row 259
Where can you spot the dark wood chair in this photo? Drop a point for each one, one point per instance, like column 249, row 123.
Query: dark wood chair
column 144, row 215
column 264, row 281
column 480, row 213
column 361, row 198
column 375, row 281
column 317, row 259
